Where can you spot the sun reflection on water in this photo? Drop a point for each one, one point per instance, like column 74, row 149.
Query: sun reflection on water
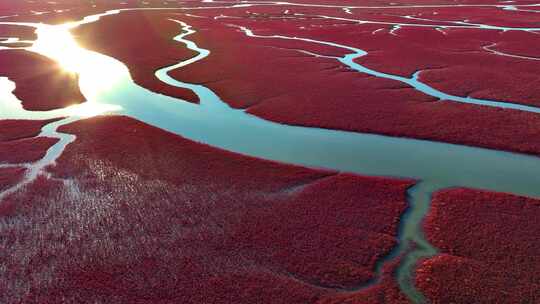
column 57, row 43
column 91, row 109
column 97, row 76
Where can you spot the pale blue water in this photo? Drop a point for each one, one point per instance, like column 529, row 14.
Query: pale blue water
column 437, row 165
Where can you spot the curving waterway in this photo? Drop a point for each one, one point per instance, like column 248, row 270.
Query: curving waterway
column 435, row 165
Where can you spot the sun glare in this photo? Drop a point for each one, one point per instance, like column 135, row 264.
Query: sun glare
column 57, row 43
column 96, row 75
column 90, row 109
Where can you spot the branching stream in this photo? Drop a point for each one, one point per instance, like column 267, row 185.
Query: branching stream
column 435, row 165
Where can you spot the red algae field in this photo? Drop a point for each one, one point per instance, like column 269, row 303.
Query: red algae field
column 302, row 151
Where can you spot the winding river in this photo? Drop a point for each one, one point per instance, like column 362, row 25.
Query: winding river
column 435, row 165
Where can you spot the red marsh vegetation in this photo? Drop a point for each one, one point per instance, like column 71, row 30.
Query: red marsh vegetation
column 173, row 220
column 18, row 141
column 275, row 81
column 489, row 248
column 41, row 83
